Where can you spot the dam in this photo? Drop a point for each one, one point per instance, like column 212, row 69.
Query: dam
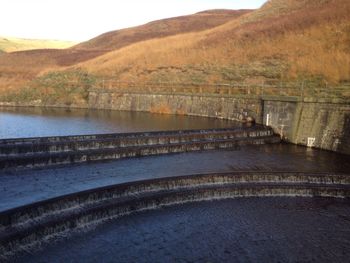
column 221, row 136
column 313, row 117
column 62, row 188
column 45, row 151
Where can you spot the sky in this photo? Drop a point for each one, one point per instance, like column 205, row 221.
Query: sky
column 80, row 20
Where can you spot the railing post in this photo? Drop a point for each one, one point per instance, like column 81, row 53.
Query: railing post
column 302, row 90
column 280, row 88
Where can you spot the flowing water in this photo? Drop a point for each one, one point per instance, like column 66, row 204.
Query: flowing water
column 238, row 230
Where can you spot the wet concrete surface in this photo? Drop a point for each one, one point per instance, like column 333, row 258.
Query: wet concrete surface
column 26, row 186
column 236, row 230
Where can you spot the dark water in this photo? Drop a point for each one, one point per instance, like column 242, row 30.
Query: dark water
column 35, row 122
column 238, row 230
column 25, row 186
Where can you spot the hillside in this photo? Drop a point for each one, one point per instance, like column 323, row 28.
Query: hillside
column 162, row 28
column 11, row 44
column 17, row 69
column 283, row 41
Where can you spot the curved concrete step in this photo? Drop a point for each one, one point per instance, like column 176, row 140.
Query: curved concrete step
column 46, row 159
column 21, row 214
column 27, row 225
column 55, row 139
column 13, row 149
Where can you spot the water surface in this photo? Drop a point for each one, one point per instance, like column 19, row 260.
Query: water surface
column 238, row 230
column 17, row 122
column 20, row 187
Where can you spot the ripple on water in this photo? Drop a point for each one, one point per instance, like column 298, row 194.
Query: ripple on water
column 243, row 230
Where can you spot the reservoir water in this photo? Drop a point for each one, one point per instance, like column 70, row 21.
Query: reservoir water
column 18, row 122
column 239, row 230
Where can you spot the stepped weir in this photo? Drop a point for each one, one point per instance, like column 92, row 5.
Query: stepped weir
column 31, row 224
column 46, row 151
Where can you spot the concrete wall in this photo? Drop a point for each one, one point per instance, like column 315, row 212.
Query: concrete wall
column 321, row 124
column 218, row 106
column 298, row 120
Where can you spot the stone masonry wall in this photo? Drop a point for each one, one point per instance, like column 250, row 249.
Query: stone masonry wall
column 209, row 106
column 322, row 124
column 314, row 124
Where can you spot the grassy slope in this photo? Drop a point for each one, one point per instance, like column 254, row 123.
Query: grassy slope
column 18, row 68
column 284, row 40
column 11, row 44
column 157, row 29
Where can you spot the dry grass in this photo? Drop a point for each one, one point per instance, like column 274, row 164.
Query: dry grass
column 19, row 68
column 285, row 40
column 295, row 39
column 161, row 109
column 162, row 28
column 11, row 44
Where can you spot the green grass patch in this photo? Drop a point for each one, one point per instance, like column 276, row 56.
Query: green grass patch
column 56, row 88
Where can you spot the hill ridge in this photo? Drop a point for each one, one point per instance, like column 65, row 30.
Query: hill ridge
column 12, row 44
column 284, row 40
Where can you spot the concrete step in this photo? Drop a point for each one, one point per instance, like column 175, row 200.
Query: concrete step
column 40, row 159
column 27, row 225
column 53, row 139
column 37, row 210
column 9, row 149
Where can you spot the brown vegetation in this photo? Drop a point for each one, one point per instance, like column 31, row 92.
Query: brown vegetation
column 162, row 28
column 285, row 40
column 161, row 109
column 11, row 44
column 18, row 68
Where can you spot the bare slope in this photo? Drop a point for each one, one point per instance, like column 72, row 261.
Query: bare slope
column 10, row 44
column 18, row 68
column 157, row 29
column 284, row 40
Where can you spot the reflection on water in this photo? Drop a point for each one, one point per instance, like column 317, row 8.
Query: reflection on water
column 33, row 122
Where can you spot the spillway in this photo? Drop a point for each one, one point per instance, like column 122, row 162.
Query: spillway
column 30, row 225
column 58, row 150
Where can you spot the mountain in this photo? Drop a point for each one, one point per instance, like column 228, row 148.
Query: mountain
column 162, row 28
column 284, row 40
column 18, row 68
column 10, row 44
